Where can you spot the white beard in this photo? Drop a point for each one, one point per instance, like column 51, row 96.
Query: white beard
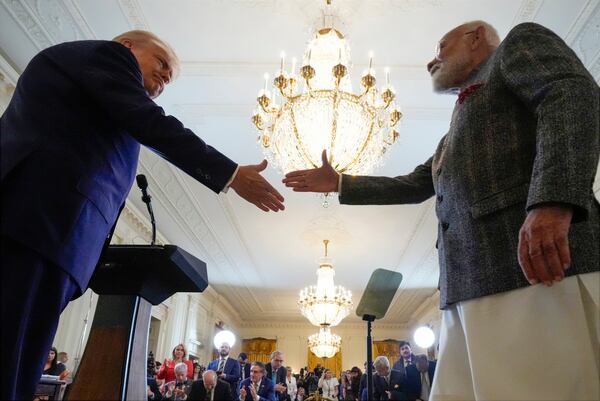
column 447, row 78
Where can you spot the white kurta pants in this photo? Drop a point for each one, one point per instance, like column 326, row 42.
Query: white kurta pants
column 535, row 343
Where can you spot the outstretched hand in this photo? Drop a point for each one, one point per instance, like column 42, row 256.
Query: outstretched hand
column 250, row 185
column 321, row 179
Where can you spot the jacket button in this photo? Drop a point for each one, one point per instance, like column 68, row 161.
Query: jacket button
column 445, row 226
column 440, row 197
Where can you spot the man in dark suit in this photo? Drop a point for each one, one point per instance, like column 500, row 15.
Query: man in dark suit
column 276, row 372
column 419, row 378
column 244, row 366
column 257, row 387
column 227, row 368
column 406, row 357
column 513, row 184
column 388, row 384
column 71, row 134
column 210, row 388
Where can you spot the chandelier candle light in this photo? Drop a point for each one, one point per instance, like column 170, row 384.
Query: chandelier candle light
column 355, row 129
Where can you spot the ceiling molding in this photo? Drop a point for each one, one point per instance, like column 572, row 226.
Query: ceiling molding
column 305, row 325
column 132, row 10
column 77, row 16
column 8, row 75
column 527, row 11
column 140, row 224
column 30, row 24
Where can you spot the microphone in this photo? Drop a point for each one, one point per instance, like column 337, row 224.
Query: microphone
column 142, row 183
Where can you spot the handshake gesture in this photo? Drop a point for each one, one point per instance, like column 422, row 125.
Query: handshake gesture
column 250, row 185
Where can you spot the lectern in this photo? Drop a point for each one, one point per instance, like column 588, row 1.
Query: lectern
column 130, row 279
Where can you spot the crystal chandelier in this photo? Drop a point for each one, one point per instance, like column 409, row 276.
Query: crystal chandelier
column 295, row 124
column 324, row 344
column 325, row 304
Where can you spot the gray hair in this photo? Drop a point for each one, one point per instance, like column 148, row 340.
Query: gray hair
column 491, row 34
column 181, row 368
column 211, row 373
column 275, row 353
column 381, row 361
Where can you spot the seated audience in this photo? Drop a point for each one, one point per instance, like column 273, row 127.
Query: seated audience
column 257, row 387
column 300, row 395
column 419, row 378
column 210, row 388
column 244, row 366
column 167, row 369
column 275, row 371
column 62, row 359
column 52, row 367
column 178, row 389
column 197, row 375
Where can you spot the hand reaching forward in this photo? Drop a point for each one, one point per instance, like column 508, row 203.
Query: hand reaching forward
column 321, row 179
column 250, row 185
column 544, row 252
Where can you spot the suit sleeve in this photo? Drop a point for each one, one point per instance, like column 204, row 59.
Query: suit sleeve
column 415, row 187
column 234, row 375
column 548, row 77
column 111, row 76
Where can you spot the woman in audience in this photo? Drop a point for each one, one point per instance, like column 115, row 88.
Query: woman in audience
column 167, row 369
column 197, row 371
column 51, row 367
column 290, row 380
column 329, row 384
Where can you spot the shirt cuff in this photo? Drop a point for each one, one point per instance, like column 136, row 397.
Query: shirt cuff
column 224, row 190
column 339, row 189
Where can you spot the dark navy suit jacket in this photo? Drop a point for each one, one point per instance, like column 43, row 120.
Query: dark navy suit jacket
column 413, row 380
column 232, row 372
column 70, row 140
column 266, row 391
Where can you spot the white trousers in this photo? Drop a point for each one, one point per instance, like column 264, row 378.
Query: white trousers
column 535, row 343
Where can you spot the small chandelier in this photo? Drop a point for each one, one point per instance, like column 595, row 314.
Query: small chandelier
column 324, row 344
column 325, row 304
column 295, row 125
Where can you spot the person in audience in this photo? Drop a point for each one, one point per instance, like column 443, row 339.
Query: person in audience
column 62, row 358
column 52, row 367
column 227, row 368
column 81, row 155
column 513, row 185
column 197, row 375
column 419, row 378
column 275, row 371
column 290, row 382
column 153, row 390
column 244, row 366
column 257, row 387
column 353, row 388
column 388, row 384
column 178, row 389
column 167, row 369
column 329, row 384
column 311, row 383
column 210, row 388
column 363, row 382
column 300, row 395
column 406, row 357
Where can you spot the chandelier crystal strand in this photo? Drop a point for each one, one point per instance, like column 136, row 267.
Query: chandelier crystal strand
column 324, row 344
column 325, row 303
column 355, row 129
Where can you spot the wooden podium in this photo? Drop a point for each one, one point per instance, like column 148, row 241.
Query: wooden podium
column 130, row 279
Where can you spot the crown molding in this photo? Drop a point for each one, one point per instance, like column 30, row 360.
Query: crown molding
column 528, row 11
column 263, row 324
column 8, row 74
column 584, row 33
column 132, row 10
column 30, row 24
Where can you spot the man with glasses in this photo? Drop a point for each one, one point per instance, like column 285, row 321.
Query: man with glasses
column 276, row 372
column 257, row 387
column 519, row 227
